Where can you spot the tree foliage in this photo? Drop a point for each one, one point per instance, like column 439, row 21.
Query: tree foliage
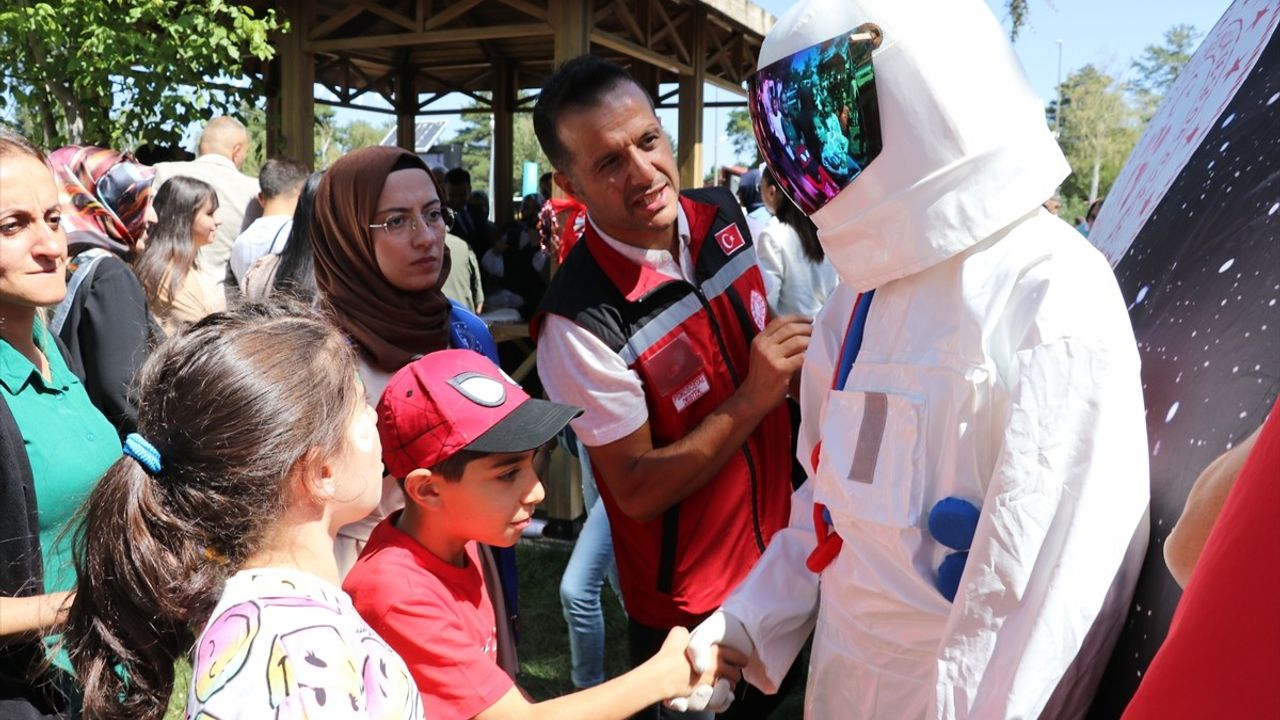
column 114, row 72
column 1017, row 10
column 332, row 139
column 743, row 137
column 1159, row 65
column 476, row 136
column 1098, row 129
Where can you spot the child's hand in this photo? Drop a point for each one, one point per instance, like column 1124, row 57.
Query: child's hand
column 699, row 691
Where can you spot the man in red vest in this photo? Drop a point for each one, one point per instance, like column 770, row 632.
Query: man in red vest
column 657, row 325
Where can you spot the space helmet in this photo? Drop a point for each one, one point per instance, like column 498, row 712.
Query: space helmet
column 906, row 129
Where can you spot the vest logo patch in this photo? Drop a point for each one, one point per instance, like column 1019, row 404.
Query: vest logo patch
column 690, row 393
column 759, row 309
column 730, row 240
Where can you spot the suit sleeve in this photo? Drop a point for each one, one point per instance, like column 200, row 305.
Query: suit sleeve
column 1068, row 491
column 113, row 333
column 778, row 601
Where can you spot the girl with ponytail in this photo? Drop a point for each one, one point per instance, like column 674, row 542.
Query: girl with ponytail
column 213, row 535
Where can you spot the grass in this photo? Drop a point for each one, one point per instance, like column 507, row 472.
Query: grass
column 544, row 639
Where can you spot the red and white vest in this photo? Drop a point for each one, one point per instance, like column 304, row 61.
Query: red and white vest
column 690, row 345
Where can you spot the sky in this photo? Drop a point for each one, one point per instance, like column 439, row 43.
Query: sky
column 1107, row 33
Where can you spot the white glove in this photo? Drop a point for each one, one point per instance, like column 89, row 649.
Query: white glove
column 721, row 628
column 705, row 697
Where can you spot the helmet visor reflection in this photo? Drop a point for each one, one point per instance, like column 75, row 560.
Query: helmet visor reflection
column 816, row 118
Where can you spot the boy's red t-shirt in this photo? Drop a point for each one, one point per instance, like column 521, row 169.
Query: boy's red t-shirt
column 434, row 615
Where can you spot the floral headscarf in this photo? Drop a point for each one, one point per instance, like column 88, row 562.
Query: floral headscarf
column 105, row 196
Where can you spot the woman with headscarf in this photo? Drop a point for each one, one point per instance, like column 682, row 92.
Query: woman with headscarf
column 104, row 320
column 380, row 260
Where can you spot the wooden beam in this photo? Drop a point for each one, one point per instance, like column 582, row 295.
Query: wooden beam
column 455, row 10
column 643, row 54
column 572, row 22
column 335, row 21
column 528, row 8
column 386, row 13
column 432, row 37
column 504, row 96
column 297, row 77
column 691, row 98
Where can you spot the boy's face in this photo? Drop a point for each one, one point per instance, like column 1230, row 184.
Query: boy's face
column 494, row 500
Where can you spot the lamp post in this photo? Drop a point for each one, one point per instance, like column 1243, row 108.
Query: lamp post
column 1057, row 108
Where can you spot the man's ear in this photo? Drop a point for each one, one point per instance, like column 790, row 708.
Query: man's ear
column 422, row 488
column 565, row 183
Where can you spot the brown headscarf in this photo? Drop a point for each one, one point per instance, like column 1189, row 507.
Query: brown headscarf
column 390, row 325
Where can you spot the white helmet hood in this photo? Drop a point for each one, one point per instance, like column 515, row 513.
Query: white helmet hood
column 967, row 151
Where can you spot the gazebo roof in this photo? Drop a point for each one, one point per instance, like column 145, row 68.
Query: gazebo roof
column 374, row 46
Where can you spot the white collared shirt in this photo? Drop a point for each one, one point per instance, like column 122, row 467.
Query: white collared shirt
column 577, row 368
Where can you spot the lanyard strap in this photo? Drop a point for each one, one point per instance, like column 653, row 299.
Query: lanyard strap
column 852, row 339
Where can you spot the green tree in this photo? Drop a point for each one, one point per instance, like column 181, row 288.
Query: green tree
column 116, row 72
column 1098, row 129
column 1159, row 65
column 476, row 138
column 362, row 133
column 1017, row 11
column 743, row 137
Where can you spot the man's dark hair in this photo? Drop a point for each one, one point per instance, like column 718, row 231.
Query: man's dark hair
column 458, row 176
column 579, row 83
column 281, row 176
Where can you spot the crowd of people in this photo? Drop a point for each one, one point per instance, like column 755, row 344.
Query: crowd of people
column 258, row 425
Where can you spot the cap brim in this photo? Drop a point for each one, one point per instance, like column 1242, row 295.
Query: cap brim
column 529, row 426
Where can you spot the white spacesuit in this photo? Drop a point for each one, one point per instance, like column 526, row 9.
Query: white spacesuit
column 996, row 366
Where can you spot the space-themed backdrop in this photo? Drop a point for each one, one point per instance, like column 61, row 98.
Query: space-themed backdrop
column 1192, row 227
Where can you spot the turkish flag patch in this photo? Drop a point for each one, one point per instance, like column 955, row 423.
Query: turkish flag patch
column 730, row 240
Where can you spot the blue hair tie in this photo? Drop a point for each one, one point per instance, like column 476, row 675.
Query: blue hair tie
column 137, row 447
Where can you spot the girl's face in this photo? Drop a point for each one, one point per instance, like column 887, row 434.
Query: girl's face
column 357, row 467
column 409, row 249
column 33, row 246
column 205, row 224
column 770, row 195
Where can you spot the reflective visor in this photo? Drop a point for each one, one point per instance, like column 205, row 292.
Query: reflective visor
column 816, row 118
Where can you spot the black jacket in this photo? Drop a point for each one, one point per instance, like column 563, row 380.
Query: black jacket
column 109, row 333
column 28, row 687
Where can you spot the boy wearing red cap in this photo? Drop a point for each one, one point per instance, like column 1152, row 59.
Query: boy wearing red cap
column 462, row 438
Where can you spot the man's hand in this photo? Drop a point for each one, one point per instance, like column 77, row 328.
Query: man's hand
column 776, row 354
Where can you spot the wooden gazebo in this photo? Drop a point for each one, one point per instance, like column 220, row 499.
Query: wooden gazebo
column 411, row 53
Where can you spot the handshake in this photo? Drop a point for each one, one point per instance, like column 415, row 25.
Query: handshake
column 705, row 665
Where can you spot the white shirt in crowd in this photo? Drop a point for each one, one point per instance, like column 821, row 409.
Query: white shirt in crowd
column 577, row 368
column 795, row 284
column 265, row 236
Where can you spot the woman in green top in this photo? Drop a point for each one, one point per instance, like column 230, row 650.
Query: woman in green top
column 55, row 443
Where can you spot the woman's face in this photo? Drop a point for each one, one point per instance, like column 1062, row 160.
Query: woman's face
column 33, row 246
column 205, row 224
column 769, row 195
column 150, row 219
column 410, row 249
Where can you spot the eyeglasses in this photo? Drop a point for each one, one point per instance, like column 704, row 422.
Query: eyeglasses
column 401, row 224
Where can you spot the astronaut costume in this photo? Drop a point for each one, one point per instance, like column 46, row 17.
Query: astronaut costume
column 996, row 369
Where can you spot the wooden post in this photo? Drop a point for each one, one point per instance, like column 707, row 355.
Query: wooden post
column 297, row 110
column 572, row 22
column 406, row 110
column 504, row 101
column 691, row 104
